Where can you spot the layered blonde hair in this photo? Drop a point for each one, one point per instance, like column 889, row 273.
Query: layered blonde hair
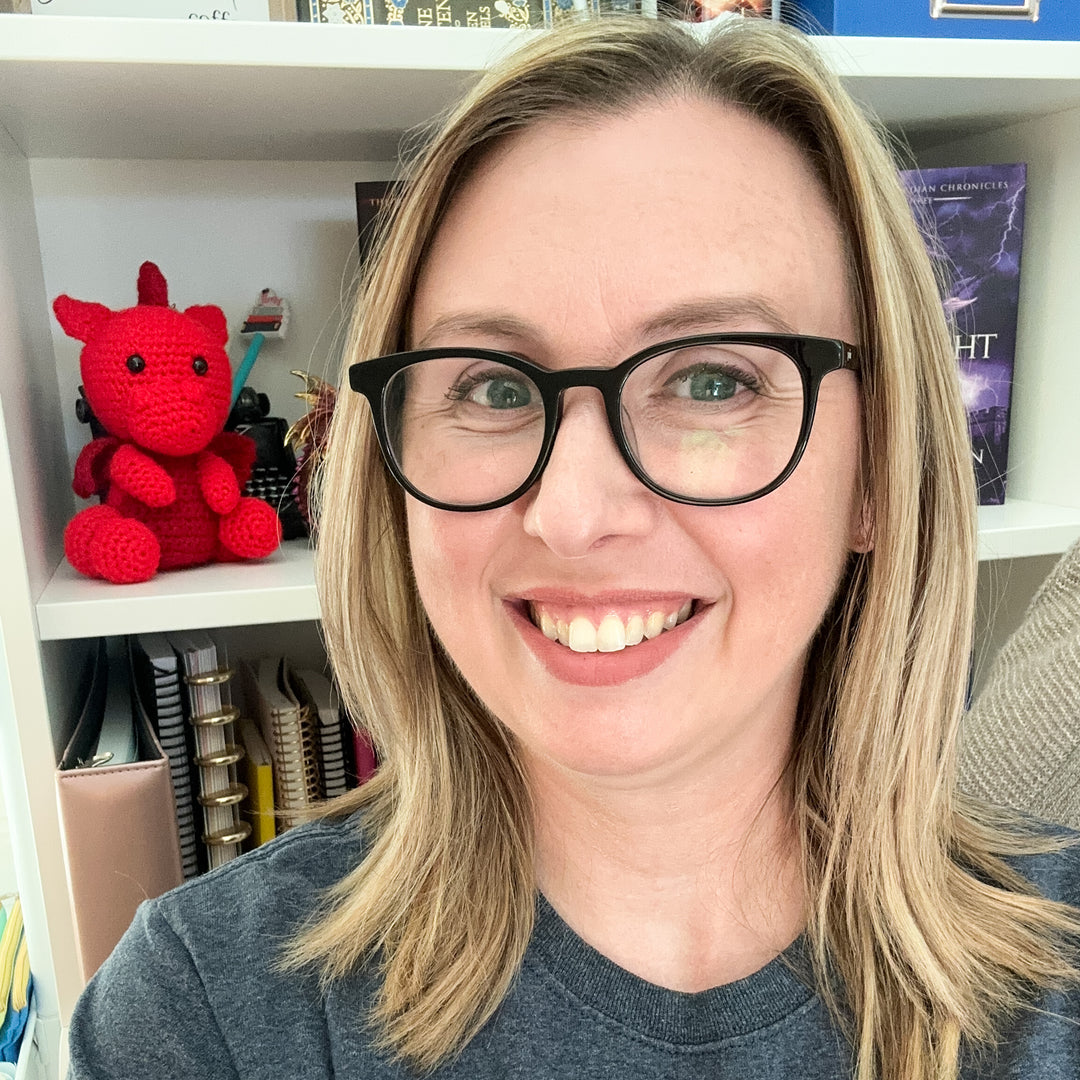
column 933, row 938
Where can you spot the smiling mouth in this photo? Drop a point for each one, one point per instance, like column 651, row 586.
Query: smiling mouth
column 613, row 633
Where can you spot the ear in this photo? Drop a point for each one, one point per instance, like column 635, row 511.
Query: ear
column 81, row 319
column 862, row 527
column 212, row 318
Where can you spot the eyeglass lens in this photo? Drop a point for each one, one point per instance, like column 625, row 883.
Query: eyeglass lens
column 715, row 421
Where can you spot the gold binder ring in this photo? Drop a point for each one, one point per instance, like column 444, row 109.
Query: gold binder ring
column 230, row 796
column 210, row 678
column 223, row 837
column 229, row 755
column 227, row 715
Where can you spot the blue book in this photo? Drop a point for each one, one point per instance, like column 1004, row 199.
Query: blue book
column 973, row 219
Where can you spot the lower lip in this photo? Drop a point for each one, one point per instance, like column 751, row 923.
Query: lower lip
column 598, row 668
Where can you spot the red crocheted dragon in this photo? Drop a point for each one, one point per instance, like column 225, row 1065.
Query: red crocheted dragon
column 169, row 478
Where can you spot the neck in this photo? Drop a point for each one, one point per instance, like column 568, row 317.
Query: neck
column 689, row 882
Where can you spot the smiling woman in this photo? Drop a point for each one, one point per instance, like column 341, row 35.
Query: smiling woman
column 647, row 554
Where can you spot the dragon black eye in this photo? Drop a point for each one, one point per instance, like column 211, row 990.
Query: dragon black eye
column 199, row 366
column 135, row 364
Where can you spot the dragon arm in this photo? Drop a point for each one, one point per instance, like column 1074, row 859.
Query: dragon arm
column 92, row 467
column 238, row 450
column 141, row 477
column 217, row 482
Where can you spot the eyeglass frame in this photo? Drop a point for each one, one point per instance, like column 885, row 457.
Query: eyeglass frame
column 814, row 357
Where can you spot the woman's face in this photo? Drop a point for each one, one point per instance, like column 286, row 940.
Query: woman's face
column 577, row 244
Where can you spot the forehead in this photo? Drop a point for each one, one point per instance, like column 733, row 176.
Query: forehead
column 593, row 230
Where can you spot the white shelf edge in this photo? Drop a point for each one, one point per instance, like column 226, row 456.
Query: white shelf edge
column 112, row 40
column 1021, row 529
column 282, row 588
column 949, row 58
column 274, row 590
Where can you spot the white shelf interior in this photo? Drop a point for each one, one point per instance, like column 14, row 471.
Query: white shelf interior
column 123, row 88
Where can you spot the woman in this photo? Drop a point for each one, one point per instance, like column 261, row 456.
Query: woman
column 665, row 684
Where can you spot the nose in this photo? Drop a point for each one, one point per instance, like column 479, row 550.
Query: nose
column 587, row 496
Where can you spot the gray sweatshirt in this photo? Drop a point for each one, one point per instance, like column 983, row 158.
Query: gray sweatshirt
column 191, row 991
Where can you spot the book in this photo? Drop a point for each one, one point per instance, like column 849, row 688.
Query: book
column 157, row 682
column 258, row 768
column 476, row 13
column 362, row 760
column 314, row 691
column 212, row 715
column 288, row 731
column 372, row 197
column 15, row 983
column 205, row 10
column 973, row 221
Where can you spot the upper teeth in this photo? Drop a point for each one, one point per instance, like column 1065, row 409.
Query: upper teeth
column 612, row 634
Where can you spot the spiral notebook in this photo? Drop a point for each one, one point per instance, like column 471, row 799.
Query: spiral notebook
column 160, row 687
column 313, row 690
column 288, row 729
column 217, row 752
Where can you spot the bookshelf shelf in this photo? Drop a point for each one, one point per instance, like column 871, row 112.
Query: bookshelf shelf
column 158, row 88
column 278, row 589
column 1021, row 529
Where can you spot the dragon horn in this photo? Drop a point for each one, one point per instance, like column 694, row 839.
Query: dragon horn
column 152, row 288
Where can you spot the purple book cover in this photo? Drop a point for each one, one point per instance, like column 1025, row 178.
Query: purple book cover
column 977, row 213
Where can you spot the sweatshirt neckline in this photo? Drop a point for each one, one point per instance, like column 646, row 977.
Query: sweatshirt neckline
column 735, row 1009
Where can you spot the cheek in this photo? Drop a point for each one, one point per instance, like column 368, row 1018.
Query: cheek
column 451, row 554
column 785, row 554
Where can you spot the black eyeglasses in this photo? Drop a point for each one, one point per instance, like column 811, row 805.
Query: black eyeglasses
column 709, row 420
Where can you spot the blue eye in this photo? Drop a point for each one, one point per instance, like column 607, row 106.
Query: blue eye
column 503, row 390
column 710, row 386
column 502, row 394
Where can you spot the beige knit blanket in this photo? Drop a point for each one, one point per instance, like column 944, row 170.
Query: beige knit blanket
column 1020, row 742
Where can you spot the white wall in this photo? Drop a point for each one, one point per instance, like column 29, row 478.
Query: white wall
column 220, row 232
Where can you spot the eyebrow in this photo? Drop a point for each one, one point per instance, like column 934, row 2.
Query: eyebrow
column 705, row 313
column 716, row 311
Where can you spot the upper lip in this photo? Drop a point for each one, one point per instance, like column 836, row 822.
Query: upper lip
column 614, row 598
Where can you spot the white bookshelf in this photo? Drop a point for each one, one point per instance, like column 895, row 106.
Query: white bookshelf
column 124, row 139
column 278, row 589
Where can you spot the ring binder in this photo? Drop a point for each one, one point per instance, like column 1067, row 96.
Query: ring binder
column 211, row 715
column 210, row 678
column 229, row 756
column 223, row 716
column 227, row 838
column 230, row 796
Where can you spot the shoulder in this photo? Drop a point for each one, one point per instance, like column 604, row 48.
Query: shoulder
column 198, row 968
column 1054, row 873
column 267, row 891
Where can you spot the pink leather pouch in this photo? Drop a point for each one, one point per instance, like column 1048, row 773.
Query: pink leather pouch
column 119, row 824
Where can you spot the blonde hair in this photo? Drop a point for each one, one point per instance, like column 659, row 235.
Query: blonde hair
column 934, row 938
